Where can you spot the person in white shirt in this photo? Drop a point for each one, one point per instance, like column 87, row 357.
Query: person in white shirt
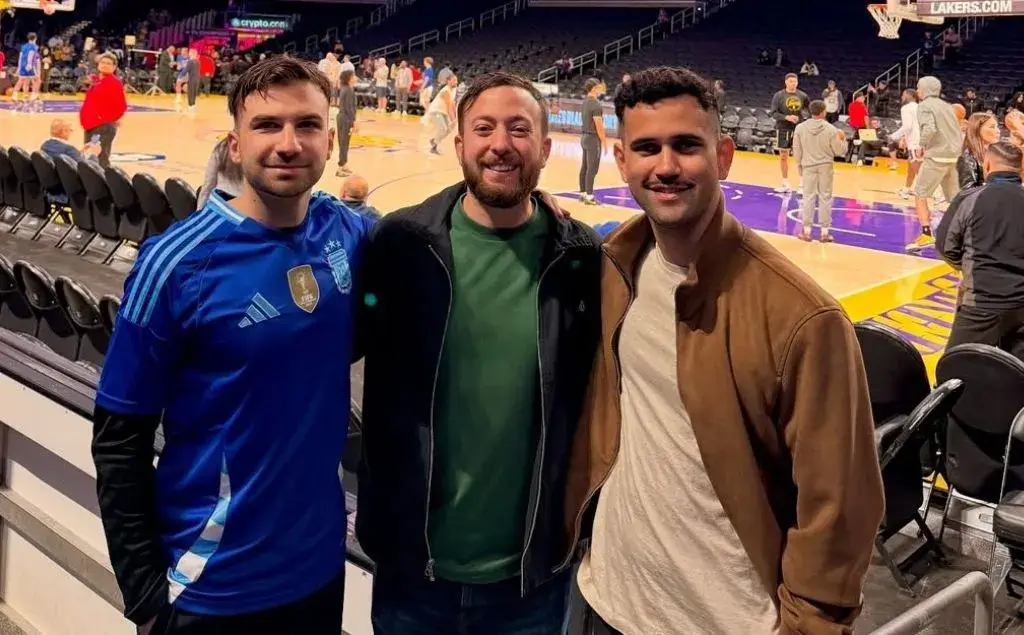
column 347, row 65
column 441, row 113
column 381, row 77
column 403, row 84
column 331, row 67
column 909, row 137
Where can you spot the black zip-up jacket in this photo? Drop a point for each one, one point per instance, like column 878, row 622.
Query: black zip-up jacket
column 407, row 289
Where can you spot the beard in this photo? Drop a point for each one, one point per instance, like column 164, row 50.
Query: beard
column 505, row 195
column 300, row 184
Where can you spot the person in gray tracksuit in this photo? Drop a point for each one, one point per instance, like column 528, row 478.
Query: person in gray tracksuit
column 941, row 145
column 816, row 144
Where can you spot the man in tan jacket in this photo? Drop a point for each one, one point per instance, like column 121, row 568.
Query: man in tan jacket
column 728, row 427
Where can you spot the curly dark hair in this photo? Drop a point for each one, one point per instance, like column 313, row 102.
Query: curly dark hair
column 652, row 85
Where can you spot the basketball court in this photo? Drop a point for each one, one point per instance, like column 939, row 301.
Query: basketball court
column 866, row 268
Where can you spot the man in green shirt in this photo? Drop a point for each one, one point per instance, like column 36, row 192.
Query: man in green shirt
column 480, row 323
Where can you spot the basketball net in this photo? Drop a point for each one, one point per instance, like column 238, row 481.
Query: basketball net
column 888, row 24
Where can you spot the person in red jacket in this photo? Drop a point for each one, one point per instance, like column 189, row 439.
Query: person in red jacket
column 103, row 107
column 858, row 112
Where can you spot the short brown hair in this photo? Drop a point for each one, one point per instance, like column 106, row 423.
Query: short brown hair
column 1007, row 154
column 816, row 107
column 272, row 72
column 498, row 79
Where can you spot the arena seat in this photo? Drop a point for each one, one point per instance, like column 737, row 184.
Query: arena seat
column 33, row 199
column 11, row 188
column 980, row 422
column 15, row 311
column 81, row 211
column 132, row 223
column 153, row 199
column 55, row 328
column 106, row 222
column 181, row 196
column 109, row 306
column 1008, row 520
column 84, row 311
column 906, row 413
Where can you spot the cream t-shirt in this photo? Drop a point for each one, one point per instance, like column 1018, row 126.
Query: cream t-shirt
column 664, row 558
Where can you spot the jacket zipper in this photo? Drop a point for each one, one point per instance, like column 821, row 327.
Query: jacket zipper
column 429, row 571
column 618, row 381
column 531, row 521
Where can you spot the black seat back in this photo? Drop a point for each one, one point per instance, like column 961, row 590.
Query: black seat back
column 81, row 211
column 897, row 378
column 154, row 202
column 109, row 306
column 181, row 196
column 31, row 188
column 133, row 224
column 55, row 328
column 105, row 219
column 980, row 421
column 15, row 312
column 9, row 182
column 46, row 170
column 84, row 311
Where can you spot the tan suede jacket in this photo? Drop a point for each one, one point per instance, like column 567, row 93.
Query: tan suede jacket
column 772, row 375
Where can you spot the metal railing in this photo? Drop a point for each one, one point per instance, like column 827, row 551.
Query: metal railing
column 579, row 63
column 975, row 584
column 352, row 26
column 491, row 16
column 617, row 47
column 394, row 48
column 456, row 28
column 905, row 73
column 423, row 39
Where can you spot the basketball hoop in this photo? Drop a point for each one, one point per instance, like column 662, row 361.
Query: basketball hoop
column 888, row 24
column 47, row 6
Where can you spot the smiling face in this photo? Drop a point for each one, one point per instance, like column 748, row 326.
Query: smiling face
column 502, row 146
column 672, row 156
column 282, row 139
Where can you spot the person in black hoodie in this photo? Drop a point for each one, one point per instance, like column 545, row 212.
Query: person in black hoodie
column 982, row 235
column 480, row 321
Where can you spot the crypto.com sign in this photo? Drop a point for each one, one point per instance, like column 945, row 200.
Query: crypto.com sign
column 963, row 8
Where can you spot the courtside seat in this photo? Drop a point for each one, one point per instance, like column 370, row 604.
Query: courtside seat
column 55, row 328
column 9, row 183
column 109, row 306
column 15, row 312
column 81, row 211
column 33, row 198
column 105, row 219
column 181, row 197
column 153, row 199
column 1008, row 521
column 56, row 198
column 132, row 224
column 906, row 413
column 84, row 311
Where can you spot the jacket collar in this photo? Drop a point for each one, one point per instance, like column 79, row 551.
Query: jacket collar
column 723, row 236
column 432, row 220
column 1004, row 177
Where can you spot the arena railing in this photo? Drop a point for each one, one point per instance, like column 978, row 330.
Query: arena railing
column 905, row 73
column 975, row 584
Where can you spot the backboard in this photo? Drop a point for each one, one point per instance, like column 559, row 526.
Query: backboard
column 60, row 5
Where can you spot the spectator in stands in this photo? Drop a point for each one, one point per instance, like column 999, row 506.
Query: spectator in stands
column 941, row 143
column 222, row 174
column 951, row 45
column 781, row 59
column 982, row 234
column 403, row 85
column 57, row 144
column 482, row 317
column 982, row 132
column 764, row 58
column 928, row 52
column 833, row 99
column 809, row 68
column 346, row 121
column 816, row 144
column 103, row 107
column 564, row 65
column 971, row 102
column 233, row 322
column 728, row 423
column 881, row 97
column 354, row 191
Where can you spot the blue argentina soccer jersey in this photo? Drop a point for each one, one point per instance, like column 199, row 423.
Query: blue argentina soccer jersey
column 242, row 336
column 28, row 60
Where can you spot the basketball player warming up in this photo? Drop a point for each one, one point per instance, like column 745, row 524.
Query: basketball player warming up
column 789, row 107
column 909, row 138
column 29, row 77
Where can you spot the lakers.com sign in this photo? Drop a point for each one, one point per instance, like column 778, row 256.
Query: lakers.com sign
column 962, row 8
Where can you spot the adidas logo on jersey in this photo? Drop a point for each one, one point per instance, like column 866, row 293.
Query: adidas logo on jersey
column 259, row 311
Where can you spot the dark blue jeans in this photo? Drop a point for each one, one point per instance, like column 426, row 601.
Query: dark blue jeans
column 422, row 607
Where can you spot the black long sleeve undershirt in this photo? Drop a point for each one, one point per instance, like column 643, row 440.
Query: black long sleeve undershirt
column 122, row 449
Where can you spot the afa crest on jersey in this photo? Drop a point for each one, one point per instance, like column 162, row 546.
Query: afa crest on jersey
column 337, row 259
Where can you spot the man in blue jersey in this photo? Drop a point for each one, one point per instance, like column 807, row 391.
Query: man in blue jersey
column 29, row 76
column 235, row 324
